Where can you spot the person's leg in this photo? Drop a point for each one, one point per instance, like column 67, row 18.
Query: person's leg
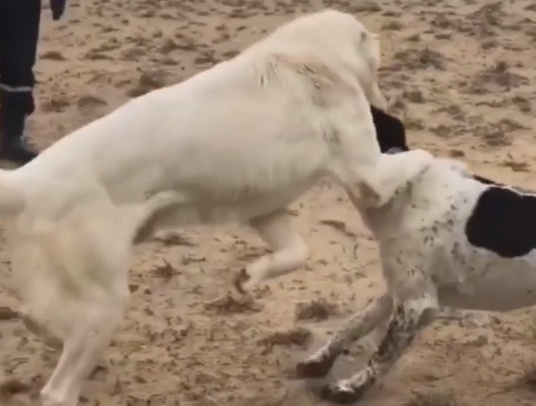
column 3, row 35
column 19, row 48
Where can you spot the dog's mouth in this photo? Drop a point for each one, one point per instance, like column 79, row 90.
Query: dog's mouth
column 395, row 150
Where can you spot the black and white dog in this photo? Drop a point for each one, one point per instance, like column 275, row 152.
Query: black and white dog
column 448, row 240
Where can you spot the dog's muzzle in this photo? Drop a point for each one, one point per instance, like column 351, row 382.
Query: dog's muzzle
column 394, row 150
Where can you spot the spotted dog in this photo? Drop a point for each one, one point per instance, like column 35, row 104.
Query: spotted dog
column 449, row 241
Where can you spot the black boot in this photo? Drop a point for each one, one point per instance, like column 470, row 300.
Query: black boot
column 14, row 107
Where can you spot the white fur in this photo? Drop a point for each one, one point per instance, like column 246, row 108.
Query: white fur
column 237, row 142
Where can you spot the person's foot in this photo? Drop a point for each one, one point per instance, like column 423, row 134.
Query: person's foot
column 17, row 151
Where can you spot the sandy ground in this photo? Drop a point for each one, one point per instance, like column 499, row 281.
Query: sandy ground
column 460, row 73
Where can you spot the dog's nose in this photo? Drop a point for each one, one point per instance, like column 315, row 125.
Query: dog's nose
column 394, row 150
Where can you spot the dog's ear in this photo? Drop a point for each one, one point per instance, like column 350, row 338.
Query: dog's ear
column 371, row 45
column 369, row 35
column 367, row 48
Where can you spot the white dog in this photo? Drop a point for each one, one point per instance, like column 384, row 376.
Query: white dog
column 238, row 142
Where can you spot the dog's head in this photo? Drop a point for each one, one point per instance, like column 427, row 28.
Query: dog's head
column 369, row 59
column 390, row 131
column 339, row 40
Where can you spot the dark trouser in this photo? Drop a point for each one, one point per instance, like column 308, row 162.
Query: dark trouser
column 19, row 33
